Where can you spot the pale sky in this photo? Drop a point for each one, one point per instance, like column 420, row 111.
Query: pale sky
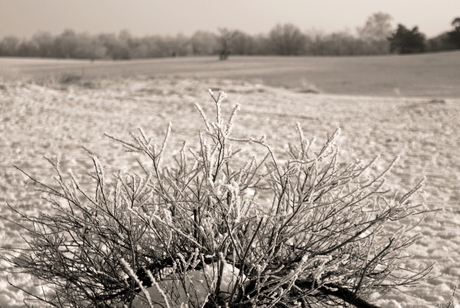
column 23, row 18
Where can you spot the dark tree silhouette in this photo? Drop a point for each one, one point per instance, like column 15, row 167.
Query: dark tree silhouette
column 456, row 22
column 224, row 39
column 405, row 41
column 454, row 36
column 287, row 40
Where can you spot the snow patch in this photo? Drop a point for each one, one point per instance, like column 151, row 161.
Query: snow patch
column 194, row 289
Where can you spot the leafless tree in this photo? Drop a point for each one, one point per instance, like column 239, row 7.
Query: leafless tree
column 287, row 39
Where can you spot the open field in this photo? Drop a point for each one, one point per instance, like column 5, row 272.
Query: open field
column 434, row 75
column 58, row 119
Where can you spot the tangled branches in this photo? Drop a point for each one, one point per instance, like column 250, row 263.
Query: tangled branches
column 216, row 228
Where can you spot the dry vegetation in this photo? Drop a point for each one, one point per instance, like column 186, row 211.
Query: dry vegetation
column 58, row 119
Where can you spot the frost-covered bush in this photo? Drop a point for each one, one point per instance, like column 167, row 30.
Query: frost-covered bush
column 218, row 228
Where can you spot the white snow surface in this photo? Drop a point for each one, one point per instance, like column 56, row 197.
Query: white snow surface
column 39, row 120
column 195, row 289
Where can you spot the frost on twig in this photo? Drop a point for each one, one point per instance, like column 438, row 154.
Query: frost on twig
column 217, row 228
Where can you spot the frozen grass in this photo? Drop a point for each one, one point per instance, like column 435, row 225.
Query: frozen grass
column 40, row 120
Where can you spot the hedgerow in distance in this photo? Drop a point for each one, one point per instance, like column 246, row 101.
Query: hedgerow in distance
column 218, row 228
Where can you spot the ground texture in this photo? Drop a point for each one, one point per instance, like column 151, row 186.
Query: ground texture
column 57, row 120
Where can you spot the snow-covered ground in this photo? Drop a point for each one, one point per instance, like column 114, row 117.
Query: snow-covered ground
column 60, row 119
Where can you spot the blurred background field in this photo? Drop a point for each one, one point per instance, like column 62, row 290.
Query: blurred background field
column 435, row 75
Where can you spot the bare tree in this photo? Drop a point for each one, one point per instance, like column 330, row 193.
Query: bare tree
column 204, row 43
column 378, row 27
column 315, row 41
column 287, row 39
column 376, row 31
column 225, row 37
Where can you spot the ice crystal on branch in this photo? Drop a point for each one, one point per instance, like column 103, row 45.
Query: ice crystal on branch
column 216, row 228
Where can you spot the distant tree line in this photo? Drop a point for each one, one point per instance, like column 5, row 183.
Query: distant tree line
column 404, row 40
column 376, row 37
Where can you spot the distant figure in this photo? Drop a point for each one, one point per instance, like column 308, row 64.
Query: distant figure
column 174, row 54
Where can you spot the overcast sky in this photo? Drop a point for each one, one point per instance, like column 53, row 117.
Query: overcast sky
column 169, row 17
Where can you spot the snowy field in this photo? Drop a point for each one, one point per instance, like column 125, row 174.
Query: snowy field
column 57, row 120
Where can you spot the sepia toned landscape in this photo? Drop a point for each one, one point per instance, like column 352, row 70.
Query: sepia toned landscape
column 386, row 106
column 229, row 154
